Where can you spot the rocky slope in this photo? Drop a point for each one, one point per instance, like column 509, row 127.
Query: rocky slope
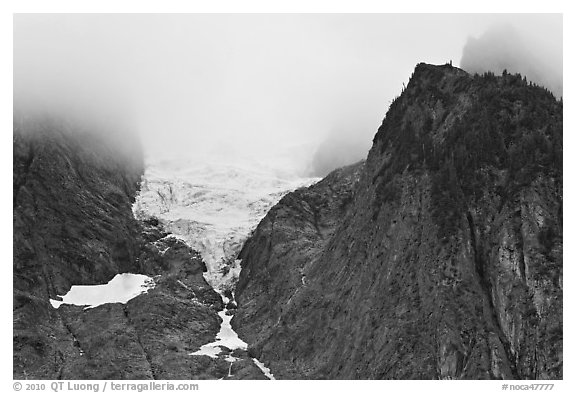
column 438, row 258
column 73, row 224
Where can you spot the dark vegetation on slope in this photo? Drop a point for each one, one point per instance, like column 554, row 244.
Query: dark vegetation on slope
column 444, row 262
column 510, row 128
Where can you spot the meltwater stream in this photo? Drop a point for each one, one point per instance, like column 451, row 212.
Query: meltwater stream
column 213, row 207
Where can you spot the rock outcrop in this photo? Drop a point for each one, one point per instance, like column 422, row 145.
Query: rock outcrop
column 440, row 257
column 73, row 225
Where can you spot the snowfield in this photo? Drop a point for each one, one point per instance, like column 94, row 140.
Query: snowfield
column 120, row 289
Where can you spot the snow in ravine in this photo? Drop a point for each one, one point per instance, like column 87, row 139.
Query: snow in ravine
column 226, row 337
column 120, row 289
column 263, row 368
column 213, row 205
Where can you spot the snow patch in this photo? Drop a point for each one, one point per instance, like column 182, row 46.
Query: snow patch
column 264, row 369
column 208, row 350
column 226, row 337
column 121, row 289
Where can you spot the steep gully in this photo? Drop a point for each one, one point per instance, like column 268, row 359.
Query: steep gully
column 213, row 208
column 487, row 288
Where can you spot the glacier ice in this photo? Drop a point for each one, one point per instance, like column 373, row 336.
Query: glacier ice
column 213, row 206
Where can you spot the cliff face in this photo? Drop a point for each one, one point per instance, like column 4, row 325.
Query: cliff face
column 73, row 225
column 439, row 258
column 71, row 185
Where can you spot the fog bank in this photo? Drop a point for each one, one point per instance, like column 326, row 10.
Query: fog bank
column 533, row 53
column 310, row 87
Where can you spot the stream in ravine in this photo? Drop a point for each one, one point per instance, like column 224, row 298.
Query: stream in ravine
column 214, row 207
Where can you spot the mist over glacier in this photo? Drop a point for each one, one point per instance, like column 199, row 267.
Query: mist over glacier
column 310, row 87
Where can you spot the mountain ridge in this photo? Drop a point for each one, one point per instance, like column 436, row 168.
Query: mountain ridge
column 446, row 262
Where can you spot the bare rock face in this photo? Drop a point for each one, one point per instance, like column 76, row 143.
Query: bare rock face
column 70, row 185
column 440, row 257
column 152, row 335
column 73, row 225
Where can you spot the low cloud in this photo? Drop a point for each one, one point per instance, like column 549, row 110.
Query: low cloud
column 340, row 148
column 309, row 87
column 517, row 50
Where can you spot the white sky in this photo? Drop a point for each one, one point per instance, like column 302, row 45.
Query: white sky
column 190, row 82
